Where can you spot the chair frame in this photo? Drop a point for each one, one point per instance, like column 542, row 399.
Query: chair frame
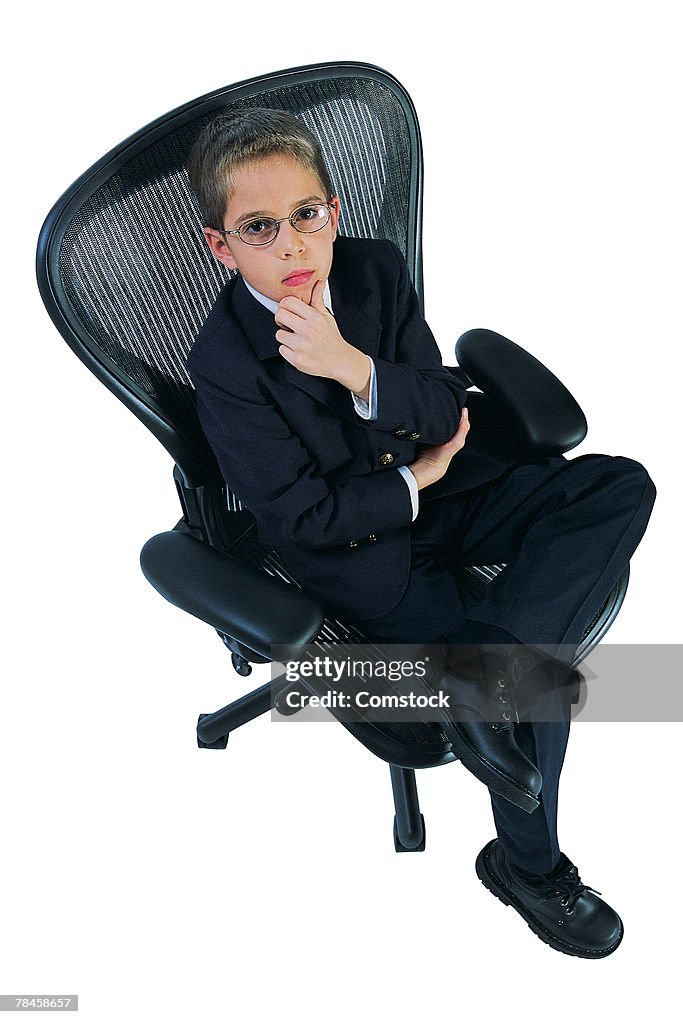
column 204, row 500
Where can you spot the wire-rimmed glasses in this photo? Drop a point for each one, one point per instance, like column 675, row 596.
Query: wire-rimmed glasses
column 262, row 230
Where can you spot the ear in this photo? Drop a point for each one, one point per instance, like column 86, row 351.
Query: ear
column 334, row 215
column 219, row 247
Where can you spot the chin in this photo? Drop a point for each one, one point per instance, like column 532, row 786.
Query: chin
column 305, row 294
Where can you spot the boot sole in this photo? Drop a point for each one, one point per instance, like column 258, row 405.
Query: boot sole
column 495, row 885
column 487, row 773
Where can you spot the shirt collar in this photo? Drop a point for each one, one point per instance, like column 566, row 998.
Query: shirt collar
column 272, row 305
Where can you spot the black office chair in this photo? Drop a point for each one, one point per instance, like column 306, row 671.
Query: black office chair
column 128, row 280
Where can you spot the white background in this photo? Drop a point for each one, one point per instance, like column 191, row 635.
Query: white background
column 161, row 882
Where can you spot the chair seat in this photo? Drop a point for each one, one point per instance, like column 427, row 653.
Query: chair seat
column 475, row 578
column 406, row 744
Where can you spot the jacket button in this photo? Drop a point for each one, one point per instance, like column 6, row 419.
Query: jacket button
column 414, row 436
column 386, row 459
column 353, row 543
column 372, row 536
column 400, row 432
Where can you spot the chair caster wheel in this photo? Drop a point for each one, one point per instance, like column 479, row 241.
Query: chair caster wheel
column 241, row 665
column 398, row 845
column 219, row 744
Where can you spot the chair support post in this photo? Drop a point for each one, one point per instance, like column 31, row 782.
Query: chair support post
column 408, row 823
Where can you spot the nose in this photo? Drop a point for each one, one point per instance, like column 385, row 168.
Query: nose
column 289, row 241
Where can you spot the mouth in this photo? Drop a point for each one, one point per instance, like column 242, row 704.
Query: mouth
column 298, row 278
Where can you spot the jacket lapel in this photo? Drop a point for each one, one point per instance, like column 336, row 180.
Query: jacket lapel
column 256, row 321
column 356, row 322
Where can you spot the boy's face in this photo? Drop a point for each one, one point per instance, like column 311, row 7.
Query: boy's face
column 276, row 187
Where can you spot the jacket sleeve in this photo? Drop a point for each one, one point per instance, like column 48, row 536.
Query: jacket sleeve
column 273, row 474
column 415, row 392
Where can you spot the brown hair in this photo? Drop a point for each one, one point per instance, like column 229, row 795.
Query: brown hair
column 237, row 137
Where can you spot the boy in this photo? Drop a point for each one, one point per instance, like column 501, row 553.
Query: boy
column 323, row 394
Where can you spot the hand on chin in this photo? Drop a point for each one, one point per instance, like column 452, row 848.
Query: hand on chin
column 305, row 294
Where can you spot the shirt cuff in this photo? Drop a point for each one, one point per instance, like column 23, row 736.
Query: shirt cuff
column 368, row 410
column 412, row 487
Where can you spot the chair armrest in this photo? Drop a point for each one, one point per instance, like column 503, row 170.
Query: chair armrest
column 235, row 598
column 547, row 416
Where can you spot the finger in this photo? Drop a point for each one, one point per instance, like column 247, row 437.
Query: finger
column 294, row 305
column 285, row 318
column 291, row 356
column 464, row 424
column 458, row 439
column 463, row 428
column 287, row 338
column 317, row 296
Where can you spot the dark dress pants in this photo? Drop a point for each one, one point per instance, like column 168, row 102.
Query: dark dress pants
column 566, row 530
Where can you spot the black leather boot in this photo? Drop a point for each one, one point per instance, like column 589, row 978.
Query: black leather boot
column 559, row 907
column 481, row 689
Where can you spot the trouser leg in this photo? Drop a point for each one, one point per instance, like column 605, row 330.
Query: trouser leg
column 566, row 530
column 433, row 605
column 530, row 841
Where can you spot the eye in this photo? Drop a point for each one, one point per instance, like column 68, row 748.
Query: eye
column 256, row 228
column 307, row 214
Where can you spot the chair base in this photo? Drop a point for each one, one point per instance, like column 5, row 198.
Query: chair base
column 409, row 823
column 218, row 726
column 213, row 733
column 398, row 844
column 219, row 744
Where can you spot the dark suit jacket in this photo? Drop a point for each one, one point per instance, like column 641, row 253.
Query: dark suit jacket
column 322, row 482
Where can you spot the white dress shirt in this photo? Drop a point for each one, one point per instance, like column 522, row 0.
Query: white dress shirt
column 366, row 410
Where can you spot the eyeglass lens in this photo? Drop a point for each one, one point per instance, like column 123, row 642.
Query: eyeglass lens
column 306, row 219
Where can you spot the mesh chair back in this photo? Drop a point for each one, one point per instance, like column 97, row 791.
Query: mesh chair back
column 127, row 275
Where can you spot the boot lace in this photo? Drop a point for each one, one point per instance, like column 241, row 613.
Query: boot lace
column 569, row 887
column 503, row 690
